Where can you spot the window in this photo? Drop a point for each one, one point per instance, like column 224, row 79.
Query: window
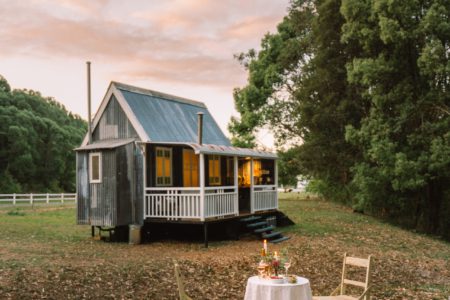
column 264, row 172
column 214, row 169
column 230, row 171
column 190, row 168
column 95, row 167
column 163, row 166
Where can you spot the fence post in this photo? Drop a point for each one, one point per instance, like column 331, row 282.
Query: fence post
column 48, row 200
column 62, row 198
column 31, row 198
column 14, row 199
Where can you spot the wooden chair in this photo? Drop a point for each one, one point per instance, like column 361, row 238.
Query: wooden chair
column 182, row 293
column 353, row 261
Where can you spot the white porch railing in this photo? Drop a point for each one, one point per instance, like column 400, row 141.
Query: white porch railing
column 221, row 201
column 31, row 199
column 172, row 203
column 265, row 197
column 175, row 203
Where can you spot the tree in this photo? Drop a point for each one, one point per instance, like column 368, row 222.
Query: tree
column 361, row 89
column 403, row 74
column 298, row 86
column 288, row 167
column 37, row 137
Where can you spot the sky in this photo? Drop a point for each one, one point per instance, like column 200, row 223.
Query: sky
column 180, row 47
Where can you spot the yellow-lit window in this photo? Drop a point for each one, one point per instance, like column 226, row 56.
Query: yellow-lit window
column 257, row 172
column 163, row 166
column 95, row 167
column 190, row 168
column 214, row 169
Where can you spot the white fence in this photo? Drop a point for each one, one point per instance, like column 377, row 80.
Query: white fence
column 31, row 199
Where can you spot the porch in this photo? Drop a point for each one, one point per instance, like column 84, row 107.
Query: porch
column 202, row 183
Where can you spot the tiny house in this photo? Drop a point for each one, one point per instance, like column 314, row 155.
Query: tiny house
column 158, row 157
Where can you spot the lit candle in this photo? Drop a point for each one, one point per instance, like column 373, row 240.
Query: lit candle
column 265, row 246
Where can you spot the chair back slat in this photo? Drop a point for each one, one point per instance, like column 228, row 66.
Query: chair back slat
column 358, row 262
column 355, row 283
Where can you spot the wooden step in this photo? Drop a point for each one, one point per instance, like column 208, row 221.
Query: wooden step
column 281, row 239
column 257, row 224
column 270, row 235
column 249, row 219
column 264, row 229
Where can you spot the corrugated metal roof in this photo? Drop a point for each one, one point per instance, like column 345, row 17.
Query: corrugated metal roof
column 106, row 144
column 171, row 119
column 229, row 150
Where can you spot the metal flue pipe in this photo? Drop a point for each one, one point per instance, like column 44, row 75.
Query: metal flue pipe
column 88, row 65
column 200, row 128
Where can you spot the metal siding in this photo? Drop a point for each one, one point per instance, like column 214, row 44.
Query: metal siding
column 103, row 195
column 113, row 124
column 83, row 202
column 167, row 120
column 125, row 181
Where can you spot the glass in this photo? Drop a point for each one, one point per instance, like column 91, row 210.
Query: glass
column 287, row 265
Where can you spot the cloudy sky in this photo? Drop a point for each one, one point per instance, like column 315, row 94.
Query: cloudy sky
column 182, row 47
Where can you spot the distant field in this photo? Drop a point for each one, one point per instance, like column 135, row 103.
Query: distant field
column 43, row 254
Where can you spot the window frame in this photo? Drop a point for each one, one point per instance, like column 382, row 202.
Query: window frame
column 163, row 149
column 211, row 158
column 192, row 167
column 99, row 155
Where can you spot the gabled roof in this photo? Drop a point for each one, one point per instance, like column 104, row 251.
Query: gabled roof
column 159, row 117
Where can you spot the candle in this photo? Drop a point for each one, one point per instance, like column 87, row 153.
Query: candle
column 265, row 246
column 275, row 255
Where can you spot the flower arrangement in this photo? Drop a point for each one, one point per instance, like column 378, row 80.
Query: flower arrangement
column 270, row 265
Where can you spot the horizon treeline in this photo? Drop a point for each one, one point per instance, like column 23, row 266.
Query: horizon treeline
column 360, row 90
column 37, row 138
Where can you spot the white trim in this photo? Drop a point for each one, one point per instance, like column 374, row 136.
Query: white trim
column 202, row 187
column 171, row 166
column 236, row 185
column 130, row 115
column 275, row 171
column 98, row 114
column 252, row 182
column 92, row 154
column 112, row 90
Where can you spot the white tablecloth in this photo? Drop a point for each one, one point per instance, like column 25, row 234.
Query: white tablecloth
column 261, row 289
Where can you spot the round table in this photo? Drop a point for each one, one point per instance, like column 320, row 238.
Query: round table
column 262, row 289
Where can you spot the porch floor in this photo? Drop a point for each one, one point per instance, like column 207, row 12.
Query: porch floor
column 209, row 220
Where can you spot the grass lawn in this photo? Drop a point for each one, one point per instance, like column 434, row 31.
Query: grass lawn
column 43, row 254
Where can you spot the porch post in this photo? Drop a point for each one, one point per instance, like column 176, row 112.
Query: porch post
column 202, row 187
column 144, row 179
column 252, row 198
column 236, row 186
column 275, row 166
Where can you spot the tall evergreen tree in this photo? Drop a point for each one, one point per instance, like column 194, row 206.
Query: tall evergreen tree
column 403, row 74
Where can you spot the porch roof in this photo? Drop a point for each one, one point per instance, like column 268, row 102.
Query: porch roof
column 230, row 150
column 105, row 144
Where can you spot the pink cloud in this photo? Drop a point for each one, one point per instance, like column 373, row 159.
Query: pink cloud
column 189, row 41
